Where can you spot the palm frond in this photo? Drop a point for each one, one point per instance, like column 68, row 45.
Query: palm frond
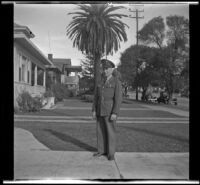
column 112, row 8
column 96, row 30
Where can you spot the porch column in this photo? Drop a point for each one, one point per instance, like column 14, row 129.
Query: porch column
column 35, row 82
column 44, row 78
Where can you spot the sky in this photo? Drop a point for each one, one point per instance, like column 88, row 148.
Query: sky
column 48, row 23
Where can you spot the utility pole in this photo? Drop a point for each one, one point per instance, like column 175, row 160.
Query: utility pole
column 137, row 17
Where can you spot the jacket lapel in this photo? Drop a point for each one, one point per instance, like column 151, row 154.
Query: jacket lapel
column 109, row 80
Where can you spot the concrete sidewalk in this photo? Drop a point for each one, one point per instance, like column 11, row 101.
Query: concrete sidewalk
column 33, row 160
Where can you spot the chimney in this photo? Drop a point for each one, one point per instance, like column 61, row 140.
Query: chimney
column 50, row 57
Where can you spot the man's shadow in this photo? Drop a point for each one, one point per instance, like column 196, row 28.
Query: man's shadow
column 67, row 138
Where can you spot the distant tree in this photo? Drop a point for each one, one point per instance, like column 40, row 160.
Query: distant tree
column 177, row 41
column 150, row 75
column 171, row 57
column 146, row 66
column 88, row 66
column 87, row 80
column 178, row 31
column 96, row 30
column 153, row 32
column 185, row 77
column 127, row 66
column 86, row 84
column 185, row 71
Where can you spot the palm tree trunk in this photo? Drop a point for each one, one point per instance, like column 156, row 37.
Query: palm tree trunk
column 97, row 74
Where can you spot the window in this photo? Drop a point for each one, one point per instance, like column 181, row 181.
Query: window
column 23, row 72
column 28, row 77
column 23, row 64
column 20, row 70
column 40, row 76
column 32, row 74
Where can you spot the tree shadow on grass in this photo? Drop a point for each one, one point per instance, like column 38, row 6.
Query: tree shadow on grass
column 67, row 138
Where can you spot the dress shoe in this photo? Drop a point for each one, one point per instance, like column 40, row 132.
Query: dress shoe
column 111, row 158
column 98, row 154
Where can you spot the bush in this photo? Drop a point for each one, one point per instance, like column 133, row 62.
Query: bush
column 16, row 110
column 177, row 91
column 61, row 92
column 72, row 93
column 27, row 103
column 37, row 104
column 81, row 93
column 87, row 97
column 48, row 93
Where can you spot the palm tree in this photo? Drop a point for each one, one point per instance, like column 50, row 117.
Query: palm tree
column 96, row 31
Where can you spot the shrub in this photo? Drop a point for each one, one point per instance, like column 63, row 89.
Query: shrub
column 72, row 93
column 16, row 109
column 60, row 91
column 36, row 104
column 48, row 93
column 27, row 103
column 177, row 91
column 87, row 97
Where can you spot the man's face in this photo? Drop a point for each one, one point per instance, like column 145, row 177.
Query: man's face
column 108, row 71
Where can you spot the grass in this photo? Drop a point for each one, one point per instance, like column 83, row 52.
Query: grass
column 124, row 113
column 183, row 102
column 130, row 137
column 135, row 105
column 143, row 137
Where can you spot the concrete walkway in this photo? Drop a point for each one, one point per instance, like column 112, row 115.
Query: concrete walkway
column 33, row 160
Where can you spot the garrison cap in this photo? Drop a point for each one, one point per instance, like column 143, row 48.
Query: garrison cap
column 107, row 64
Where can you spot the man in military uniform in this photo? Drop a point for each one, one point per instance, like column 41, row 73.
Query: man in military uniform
column 106, row 105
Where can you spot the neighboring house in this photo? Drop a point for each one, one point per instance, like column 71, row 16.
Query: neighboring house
column 65, row 70
column 29, row 64
column 53, row 75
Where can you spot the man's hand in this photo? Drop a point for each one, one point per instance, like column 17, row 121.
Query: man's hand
column 94, row 115
column 113, row 117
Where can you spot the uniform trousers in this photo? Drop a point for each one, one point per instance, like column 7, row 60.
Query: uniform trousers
column 106, row 139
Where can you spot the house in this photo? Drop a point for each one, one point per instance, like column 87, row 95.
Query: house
column 29, row 64
column 65, row 69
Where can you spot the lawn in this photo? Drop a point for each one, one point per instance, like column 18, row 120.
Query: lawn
column 183, row 102
column 157, row 137
column 124, row 113
column 137, row 137
column 138, row 110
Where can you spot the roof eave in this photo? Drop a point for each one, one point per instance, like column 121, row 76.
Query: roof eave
column 32, row 48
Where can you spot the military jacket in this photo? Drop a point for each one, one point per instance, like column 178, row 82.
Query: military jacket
column 108, row 97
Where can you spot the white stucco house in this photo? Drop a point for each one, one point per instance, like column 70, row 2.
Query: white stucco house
column 29, row 64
